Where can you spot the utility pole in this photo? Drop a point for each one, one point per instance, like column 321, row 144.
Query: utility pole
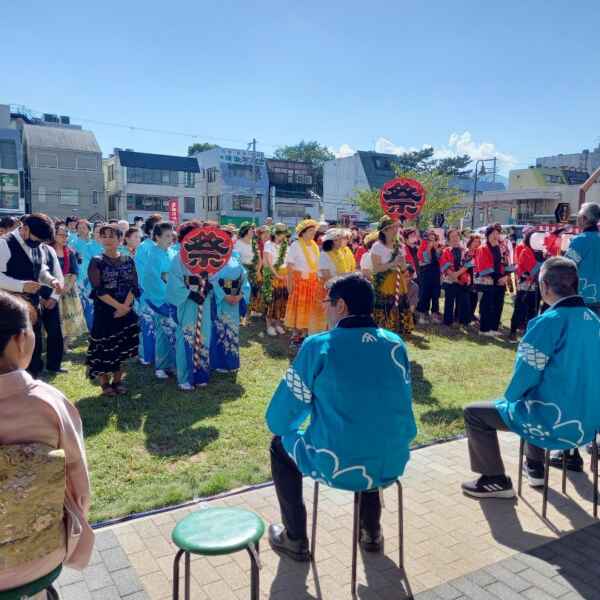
column 481, row 171
column 254, row 196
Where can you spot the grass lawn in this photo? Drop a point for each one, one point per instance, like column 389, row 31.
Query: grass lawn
column 158, row 446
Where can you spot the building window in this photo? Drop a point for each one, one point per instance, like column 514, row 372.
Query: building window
column 66, row 161
column 41, row 194
column 211, row 175
column 292, row 210
column 150, row 203
column 69, row 196
column 112, row 202
column 94, row 197
column 152, row 176
column 87, row 163
column 47, row 160
column 9, row 200
column 382, row 164
column 9, row 180
column 111, row 172
column 189, row 179
column 242, row 202
column 8, row 154
column 189, row 205
column 213, row 203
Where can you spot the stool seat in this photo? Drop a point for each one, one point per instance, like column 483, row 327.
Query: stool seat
column 215, row 531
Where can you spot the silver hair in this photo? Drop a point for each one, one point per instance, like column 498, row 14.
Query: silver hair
column 590, row 211
column 560, row 275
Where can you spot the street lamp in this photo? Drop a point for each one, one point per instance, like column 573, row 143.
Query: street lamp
column 480, row 171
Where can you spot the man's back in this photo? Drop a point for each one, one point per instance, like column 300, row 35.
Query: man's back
column 354, row 382
column 585, row 251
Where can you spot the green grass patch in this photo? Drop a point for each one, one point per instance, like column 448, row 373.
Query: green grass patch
column 158, row 446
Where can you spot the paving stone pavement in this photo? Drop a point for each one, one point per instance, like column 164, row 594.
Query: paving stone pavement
column 455, row 547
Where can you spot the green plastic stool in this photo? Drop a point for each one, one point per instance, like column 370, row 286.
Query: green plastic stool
column 216, row 531
column 33, row 588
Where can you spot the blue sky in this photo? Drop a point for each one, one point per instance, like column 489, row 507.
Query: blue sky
column 518, row 79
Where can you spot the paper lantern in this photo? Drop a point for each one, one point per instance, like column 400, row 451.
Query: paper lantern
column 206, row 250
column 402, row 198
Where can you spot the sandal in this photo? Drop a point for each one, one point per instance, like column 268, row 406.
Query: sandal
column 108, row 390
column 120, row 388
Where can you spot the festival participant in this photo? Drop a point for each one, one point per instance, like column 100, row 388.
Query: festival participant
column 123, row 225
column 552, row 242
column 71, row 223
column 335, row 258
column 412, row 241
column 147, row 335
column 456, row 280
column 82, row 246
column 526, row 303
column 132, row 241
column 584, row 250
column 33, row 412
column 390, row 279
column 430, row 279
column 303, row 312
column 25, row 270
column 114, row 334
column 549, row 361
column 352, row 385
column 366, row 262
column 274, row 290
column 347, row 251
column 185, row 292
column 231, row 295
column 96, row 248
column 491, row 278
column 154, row 283
column 360, row 249
column 138, row 223
column 72, row 322
column 7, row 224
column 247, row 248
column 473, row 244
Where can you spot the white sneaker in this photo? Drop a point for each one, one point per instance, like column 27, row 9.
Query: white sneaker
column 280, row 330
column 271, row 331
column 201, row 385
column 160, row 374
column 144, row 362
column 186, row 387
column 422, row 320
column 488, row 333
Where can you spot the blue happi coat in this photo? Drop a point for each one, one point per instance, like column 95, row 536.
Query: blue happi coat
column 164, row 314
column 584, row 250
column 225, row 345
column 147, row 347
column 552, row 398
column 353, row 383
column 178, row 294
column 86, row 250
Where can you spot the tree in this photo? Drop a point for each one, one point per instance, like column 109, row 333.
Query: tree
column 311, row 152
column 455, row 166
column 197, row 147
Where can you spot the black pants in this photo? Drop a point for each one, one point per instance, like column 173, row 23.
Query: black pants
column 474, row 300
column 55, row 346
column 36, row 365
column 429, row 291
column 457, row 304
column 490, row 307
column 526, row 308
column 288, row 486
column 482, row 422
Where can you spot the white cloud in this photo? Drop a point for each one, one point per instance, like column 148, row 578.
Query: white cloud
column 343, row 151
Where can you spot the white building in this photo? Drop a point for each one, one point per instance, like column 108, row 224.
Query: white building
column 141, row 184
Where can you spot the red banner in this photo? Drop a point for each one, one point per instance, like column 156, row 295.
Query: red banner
column 402, row 198
column 174, row 210
column 206, row 249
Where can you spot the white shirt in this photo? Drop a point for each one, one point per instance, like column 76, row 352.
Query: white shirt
column 326, row 264
column 296, row 259
column 382, row 251
column 366, row 262
column 11, row 284
column 245, row 251
column 56, row 271
column 272, row 249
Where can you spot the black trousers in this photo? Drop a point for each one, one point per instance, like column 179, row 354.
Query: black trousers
column 55, row 345
column 288, row 486
column 482, row 422
column 457, row 304
column 36, row 365
column 430, row 288
column 490, row 307
column 526, row 308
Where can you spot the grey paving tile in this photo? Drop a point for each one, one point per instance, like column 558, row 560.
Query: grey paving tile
column 96, row 577
column 127, row 581
column 137, row 596
column 481, row 578
column 503, row 591
column 107, row 593
column 471, row 590
column 69, row 576
column 75, row 591
column 105, row 539
column 447, row 592
column 115, row 559
column 544, row 583
column 512, row 580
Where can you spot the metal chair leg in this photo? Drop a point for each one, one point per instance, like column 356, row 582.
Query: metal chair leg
column 520, row 474
column 254, row 573
column 176, row 575
column 564, row 472
column 355, row 534
column 546, row 474
column 187, row 576
column 400, row 526
column 595, row 472
column 313, row 541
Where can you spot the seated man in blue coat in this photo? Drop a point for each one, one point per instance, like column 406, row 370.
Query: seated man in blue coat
column 552, row 398
column 353, row 384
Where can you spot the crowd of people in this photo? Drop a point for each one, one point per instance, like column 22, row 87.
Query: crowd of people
column 127, row 287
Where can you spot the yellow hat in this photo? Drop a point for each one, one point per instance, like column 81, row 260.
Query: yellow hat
column 304, row 225
column 371, row 237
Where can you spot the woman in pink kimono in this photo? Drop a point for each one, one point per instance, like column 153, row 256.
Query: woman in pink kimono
column 33, row 412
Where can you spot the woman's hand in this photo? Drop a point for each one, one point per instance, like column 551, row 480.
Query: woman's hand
column 121, row 311
column 233, row 299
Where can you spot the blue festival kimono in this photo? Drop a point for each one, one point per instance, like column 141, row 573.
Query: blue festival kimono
column 552, row 398
column 86, row 250
column 584, row 250
column 178, row 294
column 147, row 346
column 232, row 279
column 164, row 314
column 353, row 383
